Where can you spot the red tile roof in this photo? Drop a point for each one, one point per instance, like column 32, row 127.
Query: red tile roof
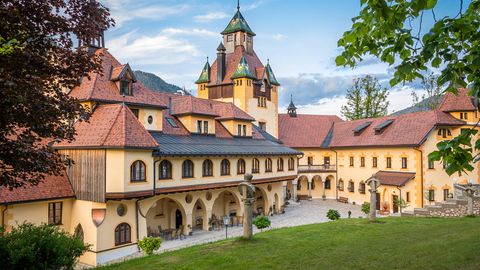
column 407, row 129
column 460, row 102
column 111, row 126
column 232, row 60
column 305, row 130
column 389, row 178
column 100, row 88
column 52, row 187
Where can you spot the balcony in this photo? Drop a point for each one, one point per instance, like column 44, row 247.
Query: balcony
column 316, row 168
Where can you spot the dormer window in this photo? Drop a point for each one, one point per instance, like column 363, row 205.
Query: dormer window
column 124, row 77
column 126, row 87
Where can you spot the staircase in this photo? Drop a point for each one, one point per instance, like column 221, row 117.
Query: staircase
column 450, row 208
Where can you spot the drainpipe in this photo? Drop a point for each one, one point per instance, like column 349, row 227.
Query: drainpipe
column 336, row 174
column 3, row 219
column 421, row 173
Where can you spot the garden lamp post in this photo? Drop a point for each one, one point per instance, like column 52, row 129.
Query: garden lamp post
column 226, row 221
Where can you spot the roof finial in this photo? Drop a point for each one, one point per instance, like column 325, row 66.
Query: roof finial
column 291, row 97
column 238, row 5
column 268, row 61
column 207, row 59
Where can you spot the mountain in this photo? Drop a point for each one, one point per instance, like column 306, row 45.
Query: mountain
column 420, row 107
column 156, row 83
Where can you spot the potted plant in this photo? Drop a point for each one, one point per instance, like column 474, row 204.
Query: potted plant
column 385, row 208
column 190, row 231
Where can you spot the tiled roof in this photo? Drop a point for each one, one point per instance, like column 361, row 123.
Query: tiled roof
column 52, row 187
column 407, row 130
column 205, row 74
column 305, row 130
column 227, row 111
column 202, row 145
column 237, row 23
column 101, row 88
column 111, row 126
column 243, row 70
column 389, row 178
column 460, row 102
column 231, row 63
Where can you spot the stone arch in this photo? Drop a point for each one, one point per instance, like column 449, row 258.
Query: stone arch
column 261, row 205
column 164, row 214
column 227, row 203
column 317, row 186
column 199, row 215
column 302, row 185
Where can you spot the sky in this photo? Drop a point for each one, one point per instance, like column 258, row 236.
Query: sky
column 172, row 39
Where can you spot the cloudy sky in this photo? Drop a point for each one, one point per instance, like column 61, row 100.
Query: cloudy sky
column 173, row 38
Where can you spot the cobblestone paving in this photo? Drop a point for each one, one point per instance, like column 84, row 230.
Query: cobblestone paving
column 305, row 212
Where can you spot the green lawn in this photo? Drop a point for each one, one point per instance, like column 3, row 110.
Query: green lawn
column 396, row 243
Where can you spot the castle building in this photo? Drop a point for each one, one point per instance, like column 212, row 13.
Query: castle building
column 156, row 164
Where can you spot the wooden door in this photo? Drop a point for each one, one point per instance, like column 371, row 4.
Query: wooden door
column 395, row 203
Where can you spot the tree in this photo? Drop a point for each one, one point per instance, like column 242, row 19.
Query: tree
column 366, row 99
column 433, row 96
column 38, row 62
column 333, row 214
column 394, row 32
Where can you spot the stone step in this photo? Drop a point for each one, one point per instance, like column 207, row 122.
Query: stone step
column 408, row 214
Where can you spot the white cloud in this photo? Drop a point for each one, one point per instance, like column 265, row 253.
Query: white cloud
column 212, row 16
column 253, row 5
column 189, row 32
column 279, row 37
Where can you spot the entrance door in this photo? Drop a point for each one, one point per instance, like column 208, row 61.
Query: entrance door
column 178, row 219
column 377, row 206
column 395, row 205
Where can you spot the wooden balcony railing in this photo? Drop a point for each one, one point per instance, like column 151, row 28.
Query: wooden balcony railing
column 317, row 168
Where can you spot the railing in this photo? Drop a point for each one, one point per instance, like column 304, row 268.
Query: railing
column 316, row 168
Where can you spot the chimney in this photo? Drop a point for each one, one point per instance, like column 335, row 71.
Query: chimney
column 220, row 62
column 170, row 105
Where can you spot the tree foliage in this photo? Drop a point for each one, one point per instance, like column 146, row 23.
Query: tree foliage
column 39, row 247
column 261, row 222
column 150, row 244
column 433, row 94
column 365, row 99
column 393, row 31
column 38, row 62
column 333, row 214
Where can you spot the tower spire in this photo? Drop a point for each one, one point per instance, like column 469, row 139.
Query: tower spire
column 292, row 110
column 238, row 5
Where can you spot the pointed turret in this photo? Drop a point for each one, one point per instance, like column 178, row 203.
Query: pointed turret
column 269, row 73
column 243, row 70
column 292, row 110
column 205, row 75
column 238, row 23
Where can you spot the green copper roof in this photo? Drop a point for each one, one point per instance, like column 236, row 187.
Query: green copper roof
column 271, row 76
column 243, row 70
column 238, row 23
column 205, row 75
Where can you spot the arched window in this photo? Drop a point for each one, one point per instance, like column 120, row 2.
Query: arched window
column 351, row 186
column 340, row 185
column 361, row 188
column 79, row 232
column 241, row 166
column 291, row 164
column 187, row 169
column 268, row 165
column 280, row 164
column 225, row 167
column 137, row 171
column 207, row 167
column 122, row 234
column 255, row 166
column 165, row 170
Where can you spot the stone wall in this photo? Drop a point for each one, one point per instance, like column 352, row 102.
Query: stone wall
column 450, row 208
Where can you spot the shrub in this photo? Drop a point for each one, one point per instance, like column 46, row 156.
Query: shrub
column 40, row 247
column 261, row 222
column 150, row 244
column 366, row 208
column 333, row 214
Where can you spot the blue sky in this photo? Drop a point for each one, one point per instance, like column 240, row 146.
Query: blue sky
column 173, row 38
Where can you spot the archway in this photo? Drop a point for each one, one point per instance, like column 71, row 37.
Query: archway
column 302, row 186
column 226, row 204
column 330, row 186
column 199, row 216
column 261, row 206
column 317, row 186
column 165, row 216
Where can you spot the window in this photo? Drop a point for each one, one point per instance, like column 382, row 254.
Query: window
column 135, row 112
column 241, row 166
column 374, row 162
column 125, row 88
column 463, row 116
column 310, row 160
column 280, row 164
column 431, row 195
column 408, row 196
column 229, row 38
column 137, row 171
column 444, row 132
column 351, row 186
column 361, row 188
column 171, row 122
column 291, row 164
column 389, row 162
column 205, row 127
column 362, row 161
column 207, row 167
column 199, row 126
column 328, row 184
column 268, row 165
column 312, row 185
column 79, row 232
column 55, row 213
column 255, row 166
column 225, row 167
column 404, row 162
column 262, row 125
column 122, row 234
column 326, row 160
column 351, row 161
column 150, row 119
column 187, row 169
column 165, row 170
column 245, row 130
column 431, row 164
column 262, row 101
column 446, row 194
column 239, row 130
column 340, row 185
column 249, row 38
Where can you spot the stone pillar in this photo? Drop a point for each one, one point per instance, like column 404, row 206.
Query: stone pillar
column 294, row 193
column 247, row 191
column 207, row 219
column 324, row 197
column 373, row 183
column 469, row 192
column 309, row 187
column 188, row 226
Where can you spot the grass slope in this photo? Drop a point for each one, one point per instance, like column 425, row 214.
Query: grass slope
column 395, row 243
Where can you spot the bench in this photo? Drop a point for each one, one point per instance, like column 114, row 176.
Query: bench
column 302, row 197
column 343, row 199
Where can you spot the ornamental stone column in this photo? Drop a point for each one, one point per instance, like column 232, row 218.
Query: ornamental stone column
column 323, row 192
column 373, row 183
column 294, row 191
column 309, row 186
column 247, row 191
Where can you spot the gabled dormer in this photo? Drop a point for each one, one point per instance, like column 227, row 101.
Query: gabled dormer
column 124, row 78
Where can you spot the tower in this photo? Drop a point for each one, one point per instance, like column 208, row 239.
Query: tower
column 238, row 76
column 292, row 110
